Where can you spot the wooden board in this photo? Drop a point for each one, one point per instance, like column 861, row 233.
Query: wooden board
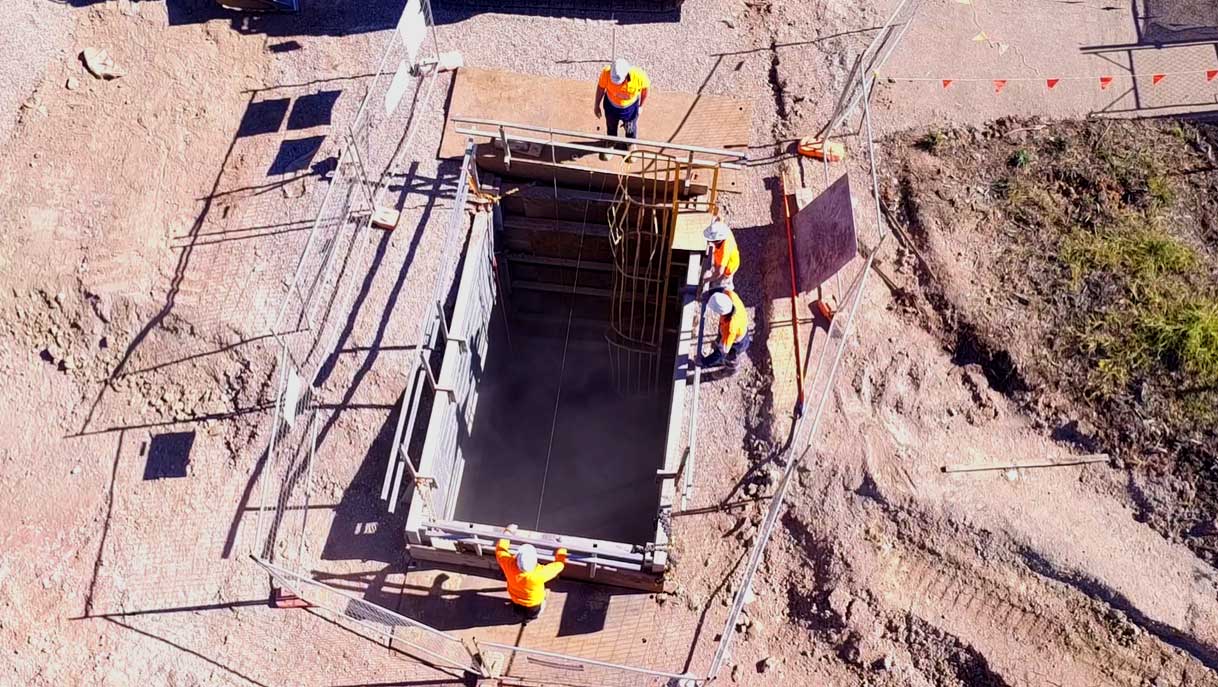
column 825, row 238
column 690, row 226
column 685, row 118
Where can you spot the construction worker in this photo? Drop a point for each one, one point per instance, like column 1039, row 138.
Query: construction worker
column 624, row 91
column 734, row 335
column 725, row 256
column 526, row 580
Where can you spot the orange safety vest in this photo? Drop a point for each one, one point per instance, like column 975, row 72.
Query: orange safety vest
column 727, row 256
column 625, row 93
column 733, row 327
column 527, row 588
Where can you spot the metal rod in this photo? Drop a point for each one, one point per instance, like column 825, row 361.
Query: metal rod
column 1082, row 460
column 662, row 145
column 799, row 377
column 583, row 148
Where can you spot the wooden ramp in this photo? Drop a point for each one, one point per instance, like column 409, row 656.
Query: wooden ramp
column 671, row 117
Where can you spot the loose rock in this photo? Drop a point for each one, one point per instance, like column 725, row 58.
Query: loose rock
column 100, row 64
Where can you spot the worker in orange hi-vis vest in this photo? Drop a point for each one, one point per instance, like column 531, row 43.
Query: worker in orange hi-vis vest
column 526, row 580
column 725, row 256
column 622, row 90
column 734, row 335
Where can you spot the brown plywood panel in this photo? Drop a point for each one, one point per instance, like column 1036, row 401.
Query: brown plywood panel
column 685, row 118
column 825, row 239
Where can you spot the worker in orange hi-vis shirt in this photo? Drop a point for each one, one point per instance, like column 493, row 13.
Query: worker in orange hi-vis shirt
column 725, row 256
column 734, row 334
column 622, row 90
column 526, row 580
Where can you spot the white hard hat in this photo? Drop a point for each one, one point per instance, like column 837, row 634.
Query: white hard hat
column 619, row 71
column 717, row 231
column 720, row 304
column 526, row 557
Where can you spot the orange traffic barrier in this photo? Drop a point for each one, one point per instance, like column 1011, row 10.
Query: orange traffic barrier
column 814, row 148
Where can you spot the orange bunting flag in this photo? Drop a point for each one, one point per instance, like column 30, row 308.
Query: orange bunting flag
column 1155, row 79
column 1209, row 75
column 1051, row 83
column 947, row 82
column 999, row 84
column 1105, row 82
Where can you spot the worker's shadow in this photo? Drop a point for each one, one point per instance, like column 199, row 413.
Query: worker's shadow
column 457, row 599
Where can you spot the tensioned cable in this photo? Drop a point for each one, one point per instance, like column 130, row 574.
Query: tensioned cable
column 562, row 369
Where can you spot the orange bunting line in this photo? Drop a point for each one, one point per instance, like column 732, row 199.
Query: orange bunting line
column 1105, row 81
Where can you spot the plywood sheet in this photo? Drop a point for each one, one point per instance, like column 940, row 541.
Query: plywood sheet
column 825, row 239
column 690, row 226
column 686, row 118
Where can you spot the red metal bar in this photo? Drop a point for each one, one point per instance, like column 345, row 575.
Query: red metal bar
column 799, row 376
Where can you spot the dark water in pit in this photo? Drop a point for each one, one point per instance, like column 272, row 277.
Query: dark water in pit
column 598, row 480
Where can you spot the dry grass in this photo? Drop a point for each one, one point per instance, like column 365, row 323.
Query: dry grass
column 1106, row 210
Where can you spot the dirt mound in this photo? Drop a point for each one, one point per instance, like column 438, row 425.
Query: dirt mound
column 1077, row 264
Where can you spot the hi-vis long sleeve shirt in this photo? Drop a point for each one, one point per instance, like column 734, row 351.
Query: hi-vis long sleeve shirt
column 528, row 588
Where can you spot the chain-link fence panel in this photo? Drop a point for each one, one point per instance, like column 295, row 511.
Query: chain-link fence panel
column 551, row 668
column 314, row 304
column 872, row 59
column 400, row 90
column 287, row 470
column 1177, row 21
column 822, row 362
column 425, row 642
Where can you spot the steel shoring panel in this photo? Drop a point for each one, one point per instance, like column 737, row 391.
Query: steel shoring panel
column 429, row 331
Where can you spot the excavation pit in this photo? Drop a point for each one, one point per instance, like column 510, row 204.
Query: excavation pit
column 560, row 360
column 538, row 419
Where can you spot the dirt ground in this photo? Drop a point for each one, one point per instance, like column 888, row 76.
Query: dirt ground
column 143, row 250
